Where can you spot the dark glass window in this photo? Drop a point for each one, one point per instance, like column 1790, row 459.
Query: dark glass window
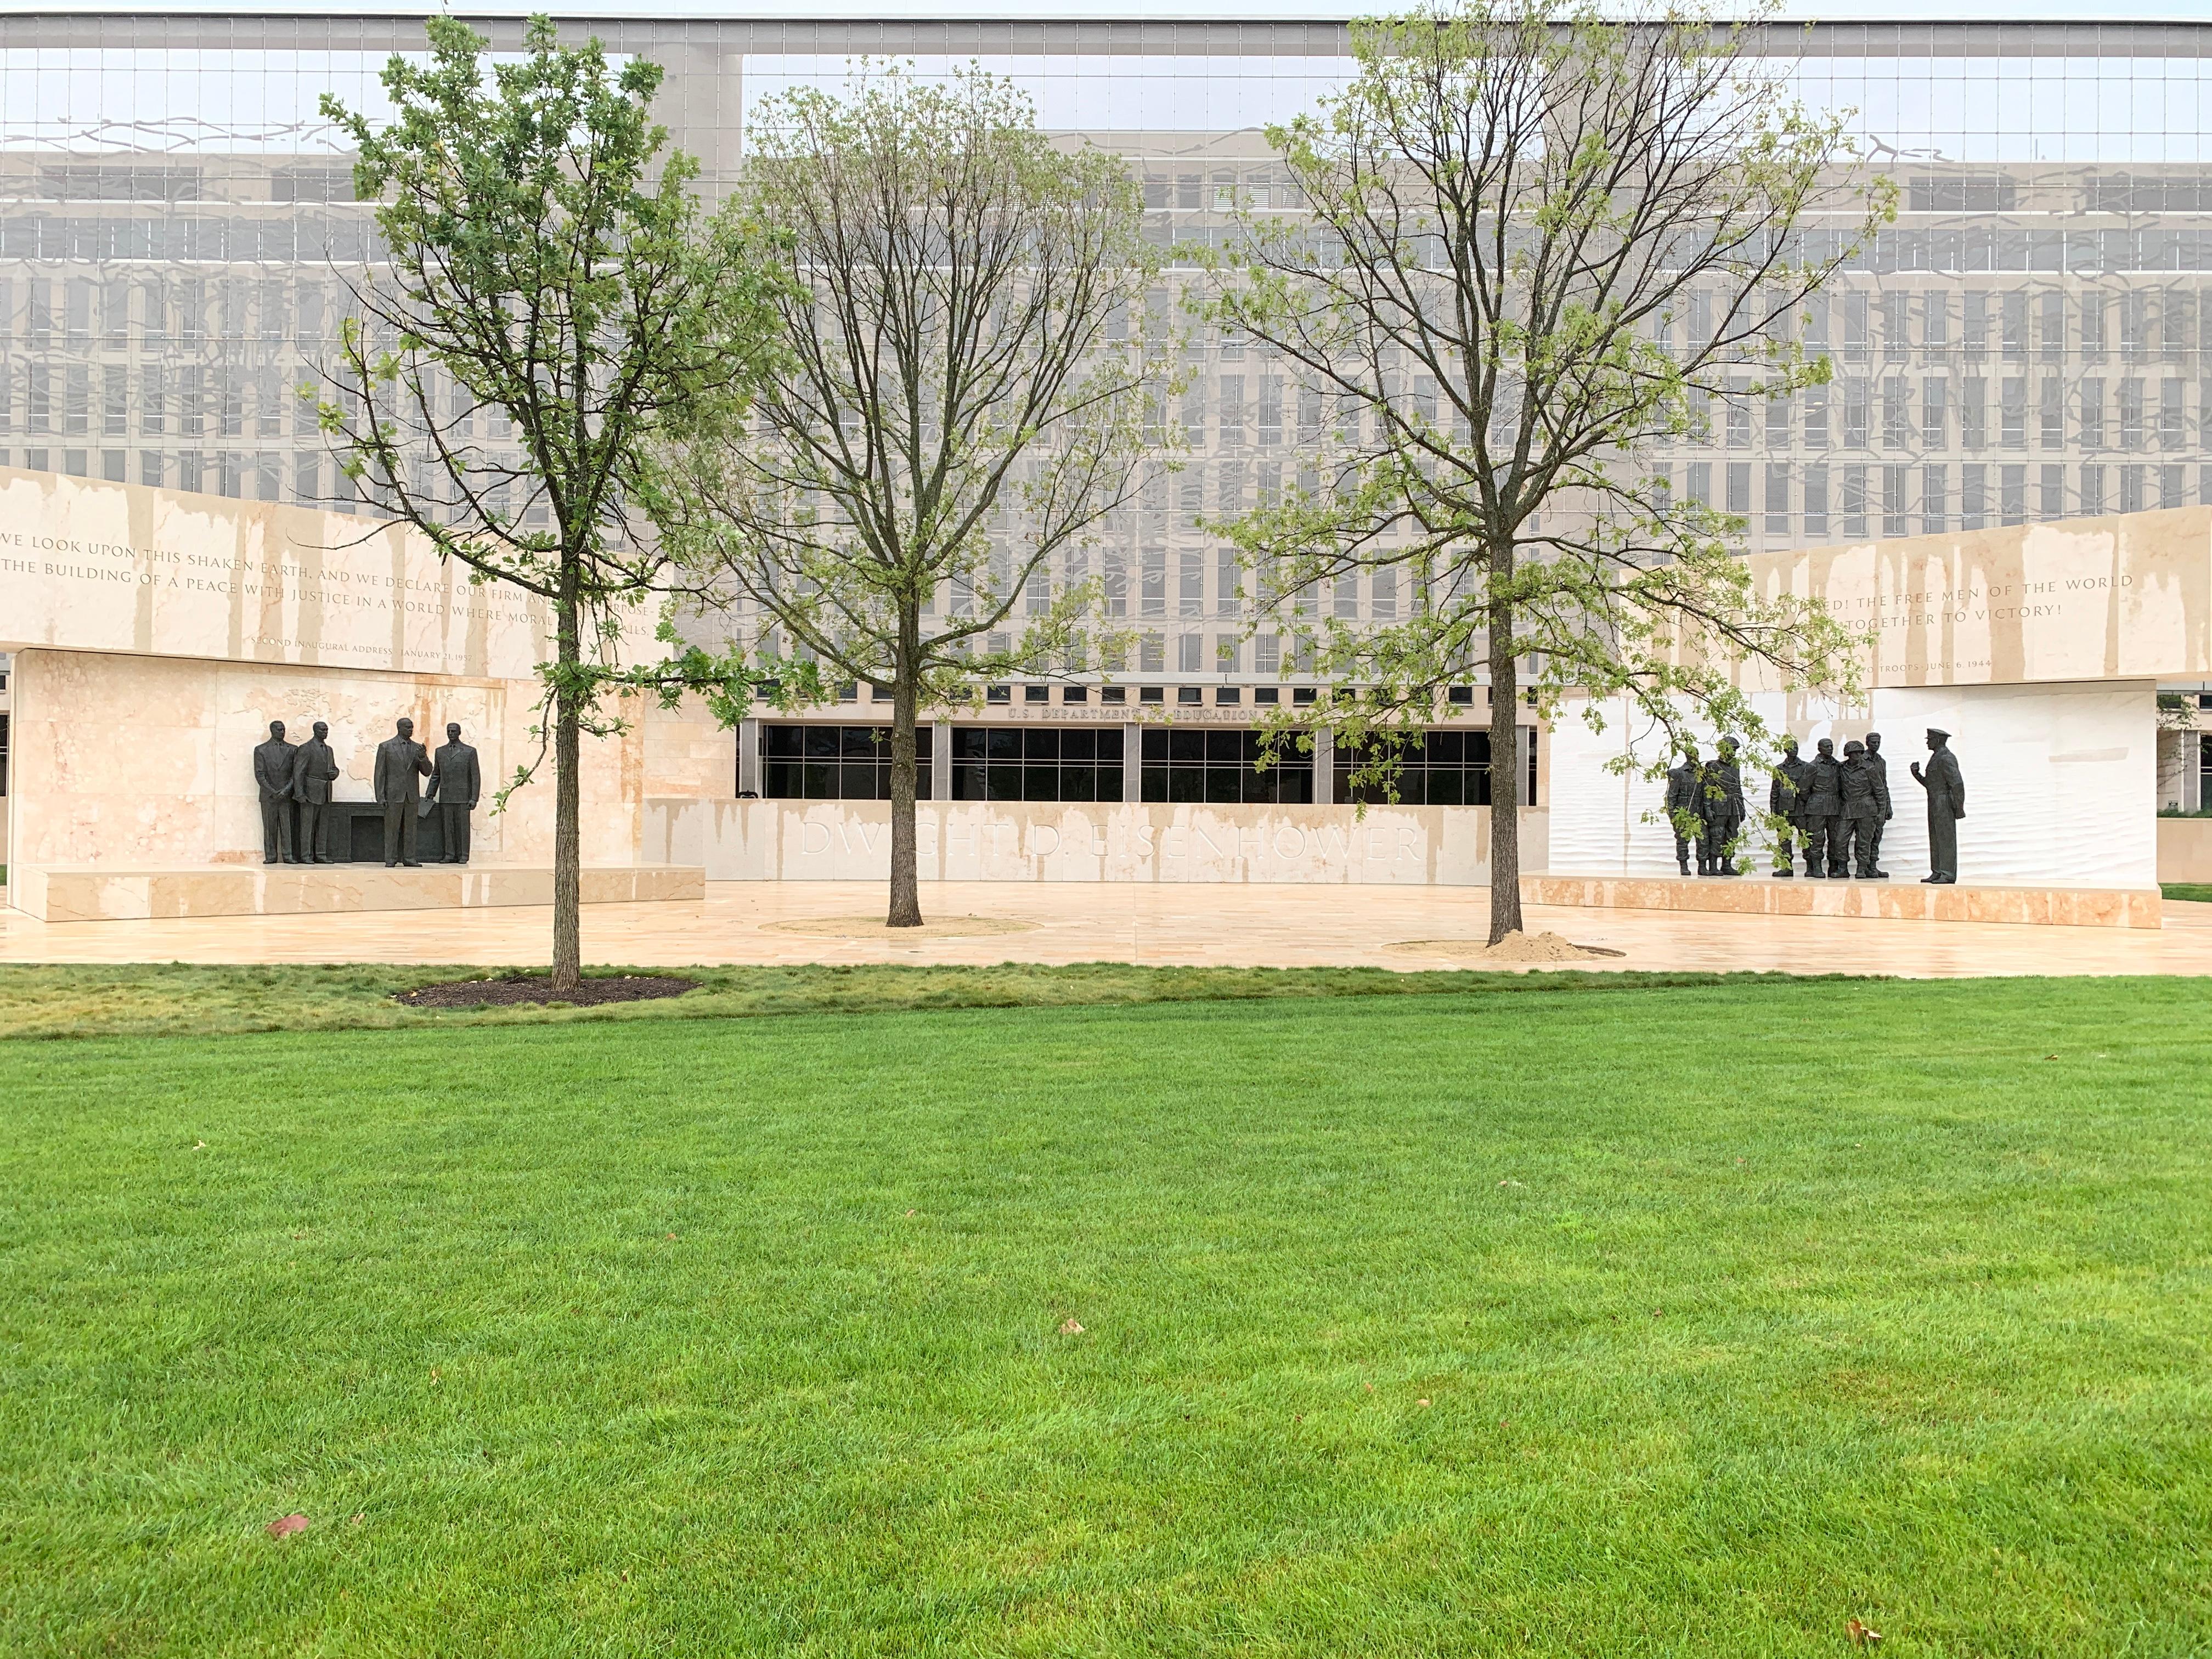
column 1184, row 764
column 835, row 762
column 1449, row 768
column 1036, row 762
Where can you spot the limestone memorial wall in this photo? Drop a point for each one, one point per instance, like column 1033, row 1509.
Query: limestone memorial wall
column 156, row 633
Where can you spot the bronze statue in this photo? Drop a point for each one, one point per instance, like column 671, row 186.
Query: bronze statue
column 1880, row 767
column 1720, row 809
column 1785, row 799
column 399, row 761
column 1682, row 807
column 456, row 780
column 313, row 768
column 1862, row 814
column 1946, row 804
column 272, row 776
column 1824, row 807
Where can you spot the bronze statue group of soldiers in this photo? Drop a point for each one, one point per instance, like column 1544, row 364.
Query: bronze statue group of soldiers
column 1831, row 811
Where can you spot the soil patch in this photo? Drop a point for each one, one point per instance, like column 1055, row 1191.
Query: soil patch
column 537, row 988
column 873, row 927
column 1513, row 951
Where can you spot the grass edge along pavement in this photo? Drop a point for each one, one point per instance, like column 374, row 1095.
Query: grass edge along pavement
column 189, row 1000
column 1691, row 1322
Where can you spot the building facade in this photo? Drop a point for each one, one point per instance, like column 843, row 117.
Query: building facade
column 2031, row 340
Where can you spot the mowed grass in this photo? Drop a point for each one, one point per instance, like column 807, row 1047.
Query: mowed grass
column 194, row 1000
column 1617, row 1321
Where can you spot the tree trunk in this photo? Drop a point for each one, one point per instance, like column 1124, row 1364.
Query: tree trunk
column 906, row 893
column 568, row 827
column 1505, row 772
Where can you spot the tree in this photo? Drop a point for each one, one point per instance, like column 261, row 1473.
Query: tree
column 961, row 402
column 547, row 308
column 1509, row 211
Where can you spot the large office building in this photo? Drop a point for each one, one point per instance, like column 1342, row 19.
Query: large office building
column 2030, row 341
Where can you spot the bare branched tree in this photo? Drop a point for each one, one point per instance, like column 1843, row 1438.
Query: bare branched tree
column 1510, row 213
column 961, row 400
column 548, row 307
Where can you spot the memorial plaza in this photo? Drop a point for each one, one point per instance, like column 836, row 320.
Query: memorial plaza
column 1199, row 1236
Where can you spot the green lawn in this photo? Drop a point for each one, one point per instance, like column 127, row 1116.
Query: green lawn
column 1737, row 1310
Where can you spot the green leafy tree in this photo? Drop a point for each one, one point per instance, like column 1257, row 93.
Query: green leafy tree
column 961, row 400
column 547, row 308
column 1488, row 303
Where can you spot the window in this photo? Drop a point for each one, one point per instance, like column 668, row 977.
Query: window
column 2012, row 412
column 1894, row 522
column 1896, row 431
column 835, row 762
column 1036, row 762
column 1187, row 764
column 1446, row 768
column 1934, row 499
column 3, row 748
column 1933, row 423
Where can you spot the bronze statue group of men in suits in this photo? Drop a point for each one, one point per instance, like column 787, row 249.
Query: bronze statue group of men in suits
column 455, row 781
column 294, row 781
column 1831, row 811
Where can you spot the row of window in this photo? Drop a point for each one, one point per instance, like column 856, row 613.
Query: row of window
column 1903, row 500
column 1781, row 498
column 2127, row 413
column 2139, row 325
column 285, row 238
column 316, row 239
column 195, row 400
column 1960, row 249
column 1448, row 768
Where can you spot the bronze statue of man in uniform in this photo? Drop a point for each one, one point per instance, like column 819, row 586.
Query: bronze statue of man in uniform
column 456, row 780
column 1824, row 809
column 1879, row 768
column 1720, row 807
column 1861, row 816
column 1946, row 804
column 272, row 778
column 1682, row 815
column 1785, row 799
column 399, row 762
column 313, row 768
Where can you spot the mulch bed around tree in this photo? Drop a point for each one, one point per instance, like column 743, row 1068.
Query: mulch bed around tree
column 536, row 988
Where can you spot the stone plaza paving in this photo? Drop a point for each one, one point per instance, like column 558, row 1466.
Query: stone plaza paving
column 1222, row 926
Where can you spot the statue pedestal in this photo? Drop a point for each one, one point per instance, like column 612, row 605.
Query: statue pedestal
column 1899, row 899
column 90, row 893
